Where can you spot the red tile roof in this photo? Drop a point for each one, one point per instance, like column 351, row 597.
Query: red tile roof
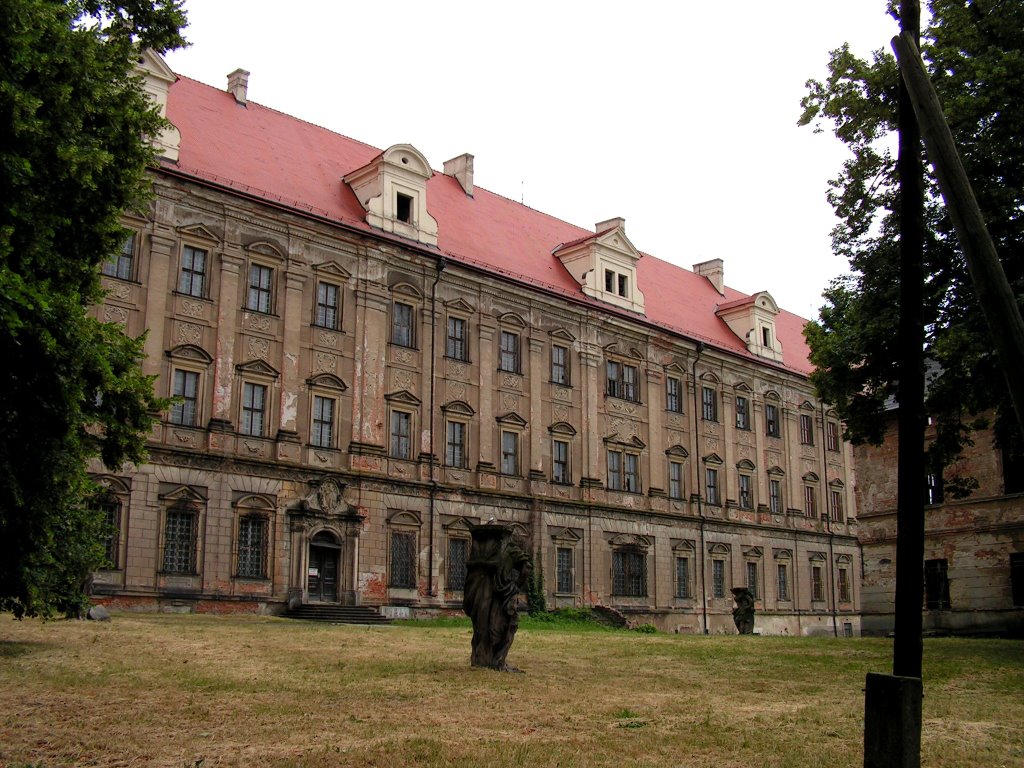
column 267, row 154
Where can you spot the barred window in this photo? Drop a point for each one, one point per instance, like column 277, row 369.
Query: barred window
column 629, row 573
column 327, row 306
column 260, row 288
column 457, row 551
column 817, row 584
column 844, row 585
column 682, row 577
column 782, row 574
column 180, row 540
column 563, row 570
column 752, row 584
column 253, row 540
column 718, row 578
column 403, row 560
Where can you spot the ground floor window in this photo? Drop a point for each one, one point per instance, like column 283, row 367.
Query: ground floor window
column 817, row 584
column 936, row 584
column 844, row 585
column 752, row 579
column 783, row 577
column 1017, row 577
column 457, row 551
column 718, row 578
column 683, row 577
column 180, row 540
column 564, row 571
column 403, row 560
column 253, row 538
column 629, row 573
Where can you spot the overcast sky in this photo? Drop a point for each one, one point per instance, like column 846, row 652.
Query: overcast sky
column 678, row 116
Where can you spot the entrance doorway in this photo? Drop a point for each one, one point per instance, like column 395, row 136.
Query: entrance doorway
column 324, row 566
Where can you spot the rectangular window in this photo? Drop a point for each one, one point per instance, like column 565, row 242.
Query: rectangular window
column 327, row 306
column 935, row 491
column 718, row 578
column 629, row 573
column 455, row 445
column 806, row 429
column 771, row 420
column 742, row 413
column 509, row 453
column 782, row 572
column 401, row 435
column 622, row 381
column 817, row 584
column 936, row 584
column 192, row 279
column 402, row 328
column 810, row 501
column 120, row 264
column 403, row 208
column 1017, row 577
column 260, row 294
column 709, row 404
column 252, row 547
column 746, row 494
column 254, row 403
column 752, row 579
column 682, row 577
column 560, row 365
column 609, row 281
column 455, row 342
column 457, row 551
column 775, row 496
column 110, row 509
column 323, row 422
column 631, row 472
column 673, row 395
column 560, row 462
column 844, row 585
column 675, row 480
column 509, row 352
column 832, row 436
column 403, row 560
column 624, row 286
column 835, row 505
column 711, row 486
column 614, row 471
column 180, row 541
column 565, row 583
column 185, row 408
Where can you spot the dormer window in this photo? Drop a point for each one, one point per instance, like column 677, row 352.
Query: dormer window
column 766, row 336
column 403, row 208
column 605, row 265
column 623, row 286
column 753, row 320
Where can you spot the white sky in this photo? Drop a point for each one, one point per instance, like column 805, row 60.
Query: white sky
column 678, row 116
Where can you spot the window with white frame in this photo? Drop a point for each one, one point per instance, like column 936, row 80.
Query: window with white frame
column 192, row 275
column 509, row 452
column 403, row 329
column 328, row 306
column 810, row 500
column 806, row 429
column 261, row 294
column 254, row 410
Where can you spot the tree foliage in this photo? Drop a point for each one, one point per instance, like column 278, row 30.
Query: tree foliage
column 73, row 158
column 974, row 52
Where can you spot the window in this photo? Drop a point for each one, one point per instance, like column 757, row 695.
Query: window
column 682, row 577
column 709, row 403
column 934, row 488
column 810, row 501
column 609, row 281
column 455, row 342
column 623, row 285
column 323, row 422
column 110, row 508
column 1017, row 577
column 775, row 496
column 254, row 400
column 260, row 282
column 564, row 581
column 752, row 579
column 455, row 445
column 457, row 551
column 252, row 546
column 675, row 480
column 844, row 585
column 120, row 264
column 817, row 584
column 742, row 413
column 184, row 409
column 180, row 540
column 832, row 436
column 403, row 560
column 402, row 334
column 629, row 573
column 623, row 472
column 192, row 279
column 782, row 573
column 718, row 578
column 401, row 435
column 559, row 365
column 771, row 420
column 746, row 495
column 673, row 395
column 327, row 306
column 766, row 336
column 622, row 381
column 835, row 505
column 560, row 462
column 711, row 486
column 509, row 453
column 509, row 353
column 936, row 584
column 403, row 208
column 806, row 429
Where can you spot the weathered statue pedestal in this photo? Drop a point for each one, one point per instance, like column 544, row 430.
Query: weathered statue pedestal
column 496, row 570
column 743, row 613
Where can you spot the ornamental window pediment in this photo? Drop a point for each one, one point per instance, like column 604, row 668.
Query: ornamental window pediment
column 604, row 265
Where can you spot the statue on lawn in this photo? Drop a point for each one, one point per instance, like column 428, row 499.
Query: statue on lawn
column 497, row 569
column 743, row 613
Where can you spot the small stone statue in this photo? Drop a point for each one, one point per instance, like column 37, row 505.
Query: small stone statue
column 496, row 570
column 743, row 613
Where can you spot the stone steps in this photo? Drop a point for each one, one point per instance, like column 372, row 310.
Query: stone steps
column 337, row 614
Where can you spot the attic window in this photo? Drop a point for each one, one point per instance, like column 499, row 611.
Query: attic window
column 623, row 285
column 766, row 335
column 403, row 208
column 609, row 280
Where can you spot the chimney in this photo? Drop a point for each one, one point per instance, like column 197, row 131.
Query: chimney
column 238, row 85
column 461, row 168
column 714, row 271
column 603, row 226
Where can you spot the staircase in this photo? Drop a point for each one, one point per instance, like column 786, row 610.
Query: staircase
column 336, row 614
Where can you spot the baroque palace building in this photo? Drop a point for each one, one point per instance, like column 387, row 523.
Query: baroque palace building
column 368, row 357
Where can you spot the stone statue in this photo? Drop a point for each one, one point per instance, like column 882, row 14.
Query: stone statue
column 743, row 613
column 496, row 570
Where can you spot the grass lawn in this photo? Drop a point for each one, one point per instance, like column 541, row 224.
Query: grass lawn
column 254, row 691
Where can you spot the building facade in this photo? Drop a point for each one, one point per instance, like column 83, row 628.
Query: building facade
column 367, row 357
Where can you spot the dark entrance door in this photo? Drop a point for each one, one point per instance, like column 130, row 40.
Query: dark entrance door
column 322, row 576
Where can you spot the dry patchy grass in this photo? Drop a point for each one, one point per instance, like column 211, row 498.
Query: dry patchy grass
column 247, row 691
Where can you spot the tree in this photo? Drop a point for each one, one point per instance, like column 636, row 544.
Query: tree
column 975, row 55
column 73, row 158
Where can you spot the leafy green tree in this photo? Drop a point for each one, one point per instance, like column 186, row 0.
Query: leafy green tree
column 73, row 157
column 974, row 52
